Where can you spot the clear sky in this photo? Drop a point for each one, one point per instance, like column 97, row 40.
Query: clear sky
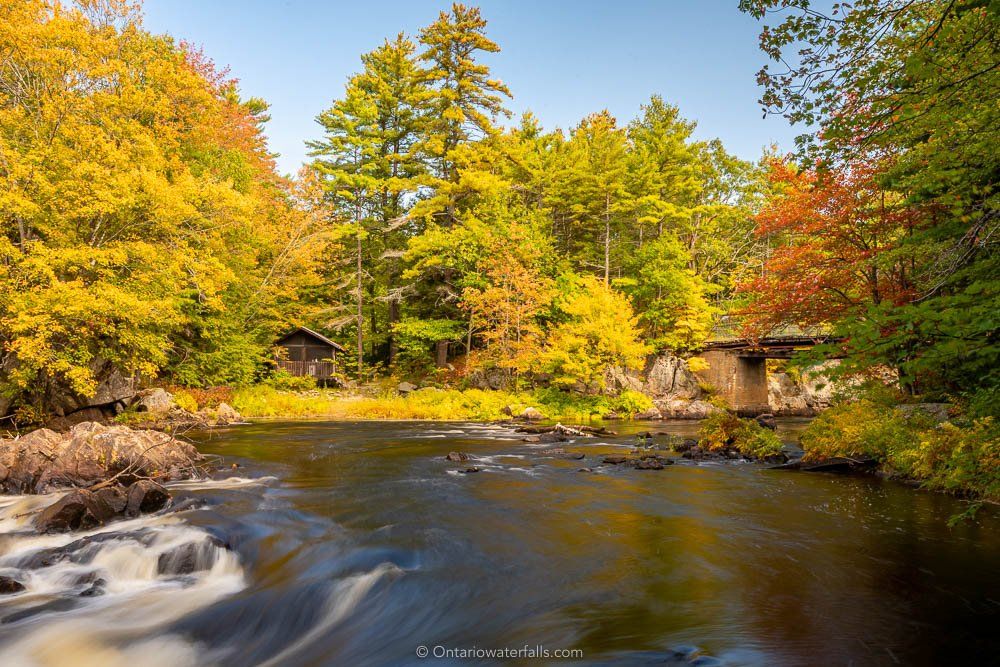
column 561, row 59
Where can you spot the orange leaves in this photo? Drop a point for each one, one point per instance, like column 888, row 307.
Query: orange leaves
column 835, row 238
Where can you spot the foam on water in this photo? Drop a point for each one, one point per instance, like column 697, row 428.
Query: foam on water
column 96, row 597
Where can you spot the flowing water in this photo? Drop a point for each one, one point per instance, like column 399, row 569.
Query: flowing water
column 358, row 543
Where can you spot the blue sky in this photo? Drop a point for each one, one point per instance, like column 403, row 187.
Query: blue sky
column 561, row 59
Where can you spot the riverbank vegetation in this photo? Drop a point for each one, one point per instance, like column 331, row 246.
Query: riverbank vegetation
column 958, row 454
column 432, row 403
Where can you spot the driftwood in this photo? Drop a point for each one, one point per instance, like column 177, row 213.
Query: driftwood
column 575, row 429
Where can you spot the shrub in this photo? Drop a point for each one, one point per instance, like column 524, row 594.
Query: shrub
column 961, row 458
column 630, row 402
column 723, row 430
column 185, row 401
column 282, row 379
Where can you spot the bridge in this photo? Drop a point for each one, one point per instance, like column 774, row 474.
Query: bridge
column 737, row 367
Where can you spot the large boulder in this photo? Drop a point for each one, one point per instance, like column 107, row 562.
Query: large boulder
column 145, row 496
column 531, row 415
column 156, row 401
column 685, row 409
column 44, row 461
column 111, row 386
column 77, row 510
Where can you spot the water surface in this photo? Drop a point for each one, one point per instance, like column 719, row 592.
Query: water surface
column 357, row 543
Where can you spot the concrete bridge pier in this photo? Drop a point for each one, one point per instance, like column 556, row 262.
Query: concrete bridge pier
column 740, row 378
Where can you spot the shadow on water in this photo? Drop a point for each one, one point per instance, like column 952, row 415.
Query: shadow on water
column 368, row 543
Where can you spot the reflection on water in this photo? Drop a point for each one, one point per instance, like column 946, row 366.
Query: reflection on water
column 359, row 547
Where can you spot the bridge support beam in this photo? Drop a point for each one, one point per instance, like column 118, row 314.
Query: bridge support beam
column 741, row 380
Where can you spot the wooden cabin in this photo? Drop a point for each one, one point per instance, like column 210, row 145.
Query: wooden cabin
column 308, row 353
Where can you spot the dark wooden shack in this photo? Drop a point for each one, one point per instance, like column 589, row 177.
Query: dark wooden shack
column 308, row 353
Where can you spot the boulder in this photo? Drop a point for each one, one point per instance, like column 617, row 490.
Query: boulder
column 936, row 411
column 615, row 460
column 226, row 414
column 652, row 413
column 531, row 414
column 111, row 386
column 457, row 457
column 767, row 420
column 612, row 416
column 9, row 586
column 90, row 453
column 76, row 510
column 156, row 401
column 649, row 463
column 406, row 387
column 145, row 496
column 685, row 409
column 470, row 470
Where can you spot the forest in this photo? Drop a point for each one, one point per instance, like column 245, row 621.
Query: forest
column 146, row 228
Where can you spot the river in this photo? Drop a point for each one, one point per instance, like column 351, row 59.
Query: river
column 359, row 544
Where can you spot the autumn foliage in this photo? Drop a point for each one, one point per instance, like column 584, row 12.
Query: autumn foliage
column 836, row 247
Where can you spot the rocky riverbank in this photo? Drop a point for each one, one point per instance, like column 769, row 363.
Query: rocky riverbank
column 109, row 472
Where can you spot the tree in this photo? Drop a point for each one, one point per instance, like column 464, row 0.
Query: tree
column 466, row 101
column 589, row 194
column 367, row 163
column 143, row 226
column 914, row 84
column 597, row 330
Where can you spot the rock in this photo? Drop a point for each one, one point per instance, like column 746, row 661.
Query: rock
column 652, row 413
column 112, row 386
column 9, row 586
column 804, row 395
column 615, row 460
column 685, row 409
column 44, row 461
column 457, row 456
column 406, row 387
column 699, row 453
column 936, row 411
column 75, row 511
column 507, row 410
column 585, row 470
column 612, row 416
column 685, row 445
column 157, row 401
column 531, row 415
column 226, row 414
column 767, row 420
column 649, row 463
column 95, row 589
column 144, row 497
column 574, row 456
column 470, row 470
column 531, row 439
column 190, row 557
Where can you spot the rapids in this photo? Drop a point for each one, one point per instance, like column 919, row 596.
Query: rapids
column 357, row 544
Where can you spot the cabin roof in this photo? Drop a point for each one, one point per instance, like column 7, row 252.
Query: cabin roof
column 314, row 334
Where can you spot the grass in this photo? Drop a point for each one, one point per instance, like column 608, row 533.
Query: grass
column 262, row 401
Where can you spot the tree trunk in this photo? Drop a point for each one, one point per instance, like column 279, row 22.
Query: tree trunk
column 393, row 318
column 441, row 354
column 607, row 238
column 361, row 315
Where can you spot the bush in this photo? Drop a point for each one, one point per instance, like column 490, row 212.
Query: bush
column 185, row 401
column 630, row 402
column 282, row 379
column 961, row 457
column 723, row 430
